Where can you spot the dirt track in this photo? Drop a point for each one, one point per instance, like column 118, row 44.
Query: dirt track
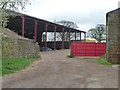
column 56, row 70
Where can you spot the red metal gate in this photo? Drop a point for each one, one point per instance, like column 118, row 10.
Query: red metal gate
column 88, row 49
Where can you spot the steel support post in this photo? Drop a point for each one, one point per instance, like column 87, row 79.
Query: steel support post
column 35, row 31
column 55, row 38
column 80, row 36
column 46, row 29
column 63, row 38
column 23, row 26
column 75, row 35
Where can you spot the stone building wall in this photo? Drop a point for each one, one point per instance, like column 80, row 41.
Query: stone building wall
column 113, row 36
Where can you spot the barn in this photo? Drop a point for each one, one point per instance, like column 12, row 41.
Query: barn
column 33, row 28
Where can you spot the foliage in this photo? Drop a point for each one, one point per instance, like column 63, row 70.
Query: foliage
column 13, row 5
column 99, row 32
column 69, row 24
column 102, row 60
column 12, row 65
column 3, row 18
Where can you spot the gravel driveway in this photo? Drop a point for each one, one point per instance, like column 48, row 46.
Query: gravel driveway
column 56, row 70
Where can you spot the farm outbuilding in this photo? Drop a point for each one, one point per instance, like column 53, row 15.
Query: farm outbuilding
column 33, row 28
column 113, row 36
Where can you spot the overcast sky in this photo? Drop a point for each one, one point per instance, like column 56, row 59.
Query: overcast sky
column 86, row 13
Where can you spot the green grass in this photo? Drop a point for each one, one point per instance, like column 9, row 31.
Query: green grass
column 12, row 65
column 103, row 61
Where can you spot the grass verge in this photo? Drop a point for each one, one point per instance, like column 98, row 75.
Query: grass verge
column 12, row 65
column 102, row 60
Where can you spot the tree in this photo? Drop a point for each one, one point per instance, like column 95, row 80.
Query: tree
column 14, row 5
column 69, row 24
column 98, row 33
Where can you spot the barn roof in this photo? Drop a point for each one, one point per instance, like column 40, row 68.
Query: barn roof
column 15, row 23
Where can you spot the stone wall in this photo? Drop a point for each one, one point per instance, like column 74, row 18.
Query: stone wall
column 113, row 36
column 18, row 47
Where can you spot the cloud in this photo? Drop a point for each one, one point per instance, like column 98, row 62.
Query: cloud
column 83, row 12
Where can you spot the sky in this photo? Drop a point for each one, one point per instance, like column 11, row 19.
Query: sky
column 85, row 13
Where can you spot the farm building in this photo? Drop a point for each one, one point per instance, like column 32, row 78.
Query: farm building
column 113, row 36
column 33, row 28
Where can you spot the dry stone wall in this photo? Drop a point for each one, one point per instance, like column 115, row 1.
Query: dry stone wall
column 18, row 47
